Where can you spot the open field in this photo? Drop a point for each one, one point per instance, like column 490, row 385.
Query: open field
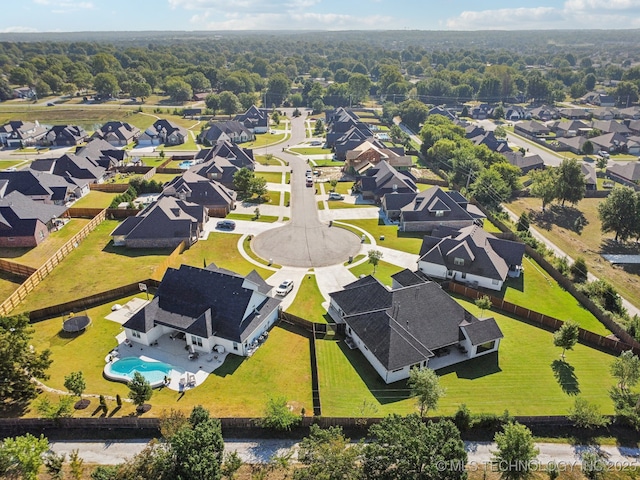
column 557, row 225
column 88, row 118
column 240, row 387
column 526, row 377
column 35, row 257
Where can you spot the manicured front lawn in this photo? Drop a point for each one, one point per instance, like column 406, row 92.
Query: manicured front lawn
column 335, row 204
column 308, row 301
column 406, row 242
column 95, row 199
column 266, row 139
column 246, row 216
column 344, row 187
column 383, row 273
column 240, row 387
column 262, row 160
column 271, row 177
column 312, row 151
column 95, row 266
column 520, row 378
column 327, row 162
column 4, row 164
column 536, row 290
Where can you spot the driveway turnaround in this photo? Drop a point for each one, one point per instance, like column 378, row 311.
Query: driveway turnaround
column 304, row 241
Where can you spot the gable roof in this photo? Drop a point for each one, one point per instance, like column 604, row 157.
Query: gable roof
column 629, row 170
column 19, row 214
column 422, row 208
column 200, row 190
column 205, row 302
column 403, row 326
column 115, row 130
column 517, row 159
column 383, row 178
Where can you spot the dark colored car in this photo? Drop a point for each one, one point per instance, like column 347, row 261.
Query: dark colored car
column 226, row 225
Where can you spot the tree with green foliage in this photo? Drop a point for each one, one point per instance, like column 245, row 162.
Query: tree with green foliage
column 156, row 461
column 408, row 448
column 278, row 415
column 570, row 182
column 594, row 465
column 523, row 223
column 212, row 101
column 317, row 106
column 22, row 456
column 75, row 383
column 278, row 88
column 604, row 294
column 19, row 361
column 500, row 132
column 258, row 186
column 318, row 130
column 585, row 414
column 359, row 86
column 48, row 409
column 483, row 303
column 54, row 464
column 489, row 188
column 543, row 185
column 425, row 386
column 178, row 89
column 328, row 455
column 498, row 113
column 566, row 336
column 231, row 463
column 140, row 390
column 229, row 103
column 515, row 451
column 626, row 370
column 242, row 182
column 106, row 84
column 76, row 465
column 587, row 148
column 374, row 258
column 579, row 270
column 619, row 213
column 197, row 447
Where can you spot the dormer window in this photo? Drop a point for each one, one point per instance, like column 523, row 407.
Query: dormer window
column 439, row 213
column 458, row 261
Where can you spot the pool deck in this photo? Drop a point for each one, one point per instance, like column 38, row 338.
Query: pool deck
column 186, row 373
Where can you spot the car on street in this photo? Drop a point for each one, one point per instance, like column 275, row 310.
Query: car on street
column 284, row 288
column 50, row 104
column 226, row 225
column 603, row 154
column 335, row 196
column 309, row 182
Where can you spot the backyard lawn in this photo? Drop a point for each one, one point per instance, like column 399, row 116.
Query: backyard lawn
column 557, row 225
column 526, row 377
column 8, row 284
column 163, row 177
column 95, row 199
column 308, row 301
column 405, row 242
column 35, row 257
column 95, row 266
column 240, row 387
column 536, row 290
column 383, row 273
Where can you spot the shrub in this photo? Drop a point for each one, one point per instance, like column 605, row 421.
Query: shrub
column 278, row 416
column 463, row 418
column 579, row 270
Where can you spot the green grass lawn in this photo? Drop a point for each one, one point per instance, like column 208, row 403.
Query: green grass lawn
column 536, row 290
column 189, row 144
column 35, row 257
column 351, row 228
column 246, row 216
column 164, row 177
column 404, row 241
column 383, row 273
column 247, row 248
column 95, row 266
column 312, row 151
column 271, row 177
column 262, row 160
column 335, row 204
column 490, row 227
column 240, row 387
column 266, row 139
column 327, row 162
column 287, row 198
column 520, row 378
column 221, row 249
column 4, row 164
column 8, row 284
column 308, row 301
column 61, row 115
column 95, row 199
column 344, row 187
column 320, row 204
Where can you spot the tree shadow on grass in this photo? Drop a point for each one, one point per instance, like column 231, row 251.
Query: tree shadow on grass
column 609, row 245
column 566, row 377
column 564, row 217
column 384, row 393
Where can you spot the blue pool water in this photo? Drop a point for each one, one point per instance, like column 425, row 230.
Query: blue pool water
column 124, row 368
column 184, row 165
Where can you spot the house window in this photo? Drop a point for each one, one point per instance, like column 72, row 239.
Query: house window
column 464, row 275
column 449, row 273
column 458, row 261
column 135, row 334
column 235, row 346
column 486, row 346
column 11, row 239
column 397, row 370
column 349, row 330
column 439, row 213
column 196, row 340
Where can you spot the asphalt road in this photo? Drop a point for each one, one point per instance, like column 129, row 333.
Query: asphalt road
column 304, row 241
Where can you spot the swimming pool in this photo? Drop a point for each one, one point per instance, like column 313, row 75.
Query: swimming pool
column 184, row 165
column 124, row 369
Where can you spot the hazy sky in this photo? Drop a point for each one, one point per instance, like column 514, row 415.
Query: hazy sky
column 105, row 15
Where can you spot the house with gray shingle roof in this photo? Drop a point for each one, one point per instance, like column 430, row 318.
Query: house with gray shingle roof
column 163, row 224
column 384, row 179
column 531, row 128
column 412, row 326
column 255, row 119
column 163, row 132
column 118, row 134
column 525, row 164
column 470, row 255
column 66, row 135
column 16, row 134
column 192, row 187
column 435, row 207
column 626, row 173
column 42, row 187
column 211, row 307
column 25, row 222
column 231, row 131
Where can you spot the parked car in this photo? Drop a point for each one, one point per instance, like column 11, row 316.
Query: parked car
column 309, row 182
column 335, row 196
column 284, row 288
column 226, row 225
column 603, row 154
column 50, row 104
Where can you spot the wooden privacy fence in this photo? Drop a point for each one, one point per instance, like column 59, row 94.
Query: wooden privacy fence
column 117, row 213
column 109, row 187
column 160, row 270
column 605, row 343
column 91, row 301
column 36, row 277
column 16, row 268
